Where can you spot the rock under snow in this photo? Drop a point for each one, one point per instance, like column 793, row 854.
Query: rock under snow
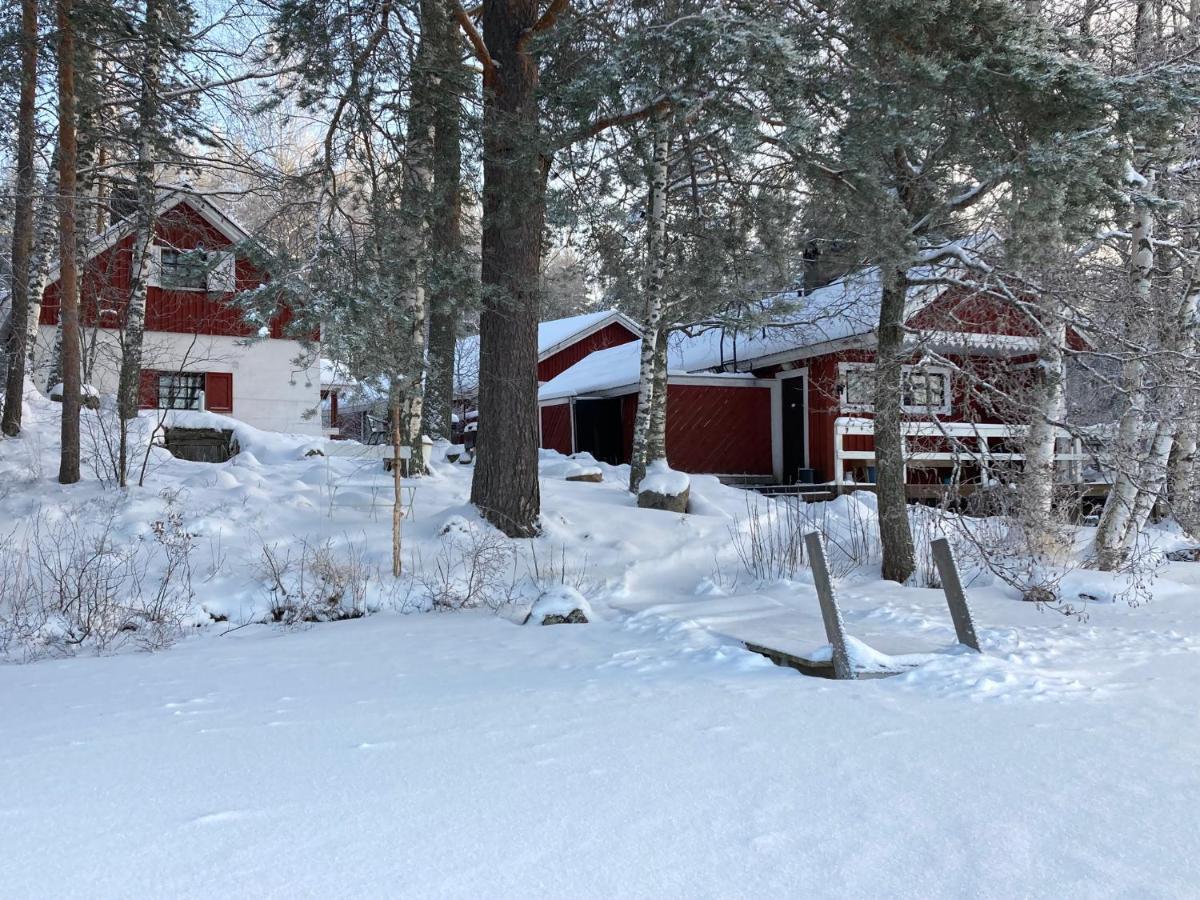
column 664, row 488
column 560, row 605
column 89, row 395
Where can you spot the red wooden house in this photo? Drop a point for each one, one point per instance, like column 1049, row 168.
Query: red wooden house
column 792, row 402
column 197, row 355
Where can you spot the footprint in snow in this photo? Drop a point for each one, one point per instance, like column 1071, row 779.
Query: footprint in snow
column 219, row 818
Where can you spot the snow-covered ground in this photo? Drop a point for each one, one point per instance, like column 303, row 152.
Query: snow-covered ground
column 646, row 754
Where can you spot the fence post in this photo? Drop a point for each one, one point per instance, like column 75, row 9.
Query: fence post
column 955, row 598
column 835, row 631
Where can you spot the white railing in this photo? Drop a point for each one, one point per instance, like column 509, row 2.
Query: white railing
column 968, row 445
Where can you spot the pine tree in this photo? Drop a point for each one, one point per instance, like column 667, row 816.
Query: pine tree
column 23, row 225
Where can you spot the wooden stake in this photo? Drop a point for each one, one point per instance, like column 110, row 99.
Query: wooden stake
column 956, row 599
column 835, row 630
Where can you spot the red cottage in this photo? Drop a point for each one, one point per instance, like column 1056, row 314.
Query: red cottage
column 196, row 354
column 793, row 402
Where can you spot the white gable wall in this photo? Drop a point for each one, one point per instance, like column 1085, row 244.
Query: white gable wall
column 270, row 390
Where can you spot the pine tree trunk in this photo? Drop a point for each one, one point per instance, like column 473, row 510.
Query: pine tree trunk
column 656, row 242
column 22, row 243
column 895, row 532
column 68, row 472
column 505, row 484
column 447, row 274
column 1110, row 534
column 1049, row 407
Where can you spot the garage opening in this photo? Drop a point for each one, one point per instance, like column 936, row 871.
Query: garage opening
column 598, row 428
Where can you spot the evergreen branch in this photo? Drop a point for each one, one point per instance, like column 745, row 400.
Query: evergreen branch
column 602, row 124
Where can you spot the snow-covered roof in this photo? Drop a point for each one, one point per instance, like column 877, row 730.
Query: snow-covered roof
column 334, row 374
column 618, row 367
column 553, row 335
column 844, row 310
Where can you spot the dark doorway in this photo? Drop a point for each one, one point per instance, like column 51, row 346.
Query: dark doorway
column 598, row 429
column 794, row 421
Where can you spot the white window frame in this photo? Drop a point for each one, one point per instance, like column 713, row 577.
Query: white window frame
column 941, row 410
column 196, row 396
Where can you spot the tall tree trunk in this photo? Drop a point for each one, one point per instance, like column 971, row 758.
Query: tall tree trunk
column 414, row 213
column 1049, row 409
column 1181, row 478
column 45, row 241
column 656, row 438
column 133, row 338
column 68, row 472
column 652, row 281
column 447, row 277
column 1110, row 534
column 505, row 485
column 1181, row 343
column 895, row 532
column 22, row 244
column 394, row 410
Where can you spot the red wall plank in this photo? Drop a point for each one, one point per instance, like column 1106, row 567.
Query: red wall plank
column 556, row 427
column 721, row 430
column 107, row 277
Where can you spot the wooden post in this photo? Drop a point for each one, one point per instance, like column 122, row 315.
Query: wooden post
column 835, row 631
column 955, row 598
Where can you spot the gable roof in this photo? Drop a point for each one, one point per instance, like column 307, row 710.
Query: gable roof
column 554, row 336
column 169, row 200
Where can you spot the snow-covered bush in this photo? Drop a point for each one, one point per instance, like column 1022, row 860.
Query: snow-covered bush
column 474, row 566
column 770, row 539
column 315, row 582
column 65, row 585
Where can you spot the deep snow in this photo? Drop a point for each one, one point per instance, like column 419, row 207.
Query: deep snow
column 643, row 755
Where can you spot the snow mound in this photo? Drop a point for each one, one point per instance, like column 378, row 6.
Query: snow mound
column 560, row 600
column 662, row 479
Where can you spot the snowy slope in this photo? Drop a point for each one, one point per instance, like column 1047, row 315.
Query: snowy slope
column 644, row 755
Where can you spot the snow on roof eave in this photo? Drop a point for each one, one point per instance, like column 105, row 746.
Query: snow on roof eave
column 171, row 198
column 862, row 340
column 614, row 316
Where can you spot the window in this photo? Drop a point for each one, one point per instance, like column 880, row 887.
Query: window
column 185, row 270
column 924, row 389
column 858, row 386
column 180, row 391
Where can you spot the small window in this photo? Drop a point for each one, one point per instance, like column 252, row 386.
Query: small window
column 923, row 390
column 180, row 391
column 926, row 390
column 184, row 270
column 858, row 386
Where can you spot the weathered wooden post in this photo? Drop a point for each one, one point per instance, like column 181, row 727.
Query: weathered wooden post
column 835, row 630
column 955, row 598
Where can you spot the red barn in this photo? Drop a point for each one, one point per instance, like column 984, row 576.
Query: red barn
column 793, row 402
column 196, row 354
